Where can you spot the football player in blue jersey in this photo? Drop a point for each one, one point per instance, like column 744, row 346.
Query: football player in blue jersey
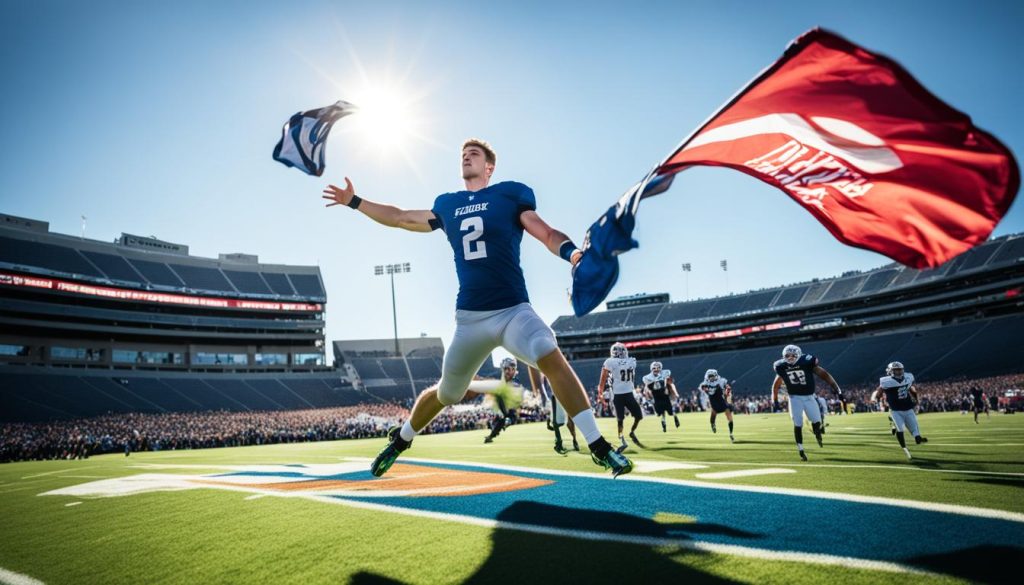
column 718, row 391
column 796, row 370
column 509, row 369
column 484, row 225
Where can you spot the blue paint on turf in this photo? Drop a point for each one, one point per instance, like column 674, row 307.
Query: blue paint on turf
column 779, row 522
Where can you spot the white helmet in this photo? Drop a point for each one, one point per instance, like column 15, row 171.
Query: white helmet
column 509, row 362
column 711, row 375
column 655, row 368
column 619, row 350
column 894, row 369
column 791, row 353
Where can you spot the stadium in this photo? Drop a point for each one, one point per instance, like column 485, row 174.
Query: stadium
column 415, row 304
column 136, row 349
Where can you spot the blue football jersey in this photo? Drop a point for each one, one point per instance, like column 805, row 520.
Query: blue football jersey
column 799, row 377
column 484, row 231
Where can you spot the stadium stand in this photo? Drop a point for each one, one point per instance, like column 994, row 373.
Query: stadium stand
column 957, row 320
column 140, row 325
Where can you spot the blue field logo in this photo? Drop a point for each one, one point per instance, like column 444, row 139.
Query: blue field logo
column 818, row 527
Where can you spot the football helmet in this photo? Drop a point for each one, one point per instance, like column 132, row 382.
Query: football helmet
column 791, row 353
column 894, row 369
column 656, row 368
column 509, row 362
column 711, row 375
column 619, row 350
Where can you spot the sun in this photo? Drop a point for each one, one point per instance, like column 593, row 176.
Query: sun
column 386, row 118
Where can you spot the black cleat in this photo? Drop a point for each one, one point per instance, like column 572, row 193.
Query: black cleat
column 664, row 427
column 677, row 421
column 803, row 455
column 488, row 439
column 818, row 437
column 559, row 448
column 713, row 429
column 575, row 446
column 919, row 439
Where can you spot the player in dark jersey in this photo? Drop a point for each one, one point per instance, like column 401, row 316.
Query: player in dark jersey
column 797, row 370
column 660, row 387
column 897, row 387
column 484, row 225
column 718, row 391
column 978, row 400
column 501, row 419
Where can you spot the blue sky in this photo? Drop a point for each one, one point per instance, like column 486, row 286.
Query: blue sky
column 158, row 118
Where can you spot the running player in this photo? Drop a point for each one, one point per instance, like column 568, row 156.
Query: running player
column 619, row 371
column 662, row 390
column 484, row 225
column 797, row 370
column 509, row 369
column 897, row 386
column 718, row 391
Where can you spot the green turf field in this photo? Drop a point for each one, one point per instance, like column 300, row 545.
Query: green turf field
column 219, row 536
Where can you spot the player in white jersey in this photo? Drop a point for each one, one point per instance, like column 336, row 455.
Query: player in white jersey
column 484, row 225
column 620, row 370
column 718, row 391
column 897, row 386
column 660, row 387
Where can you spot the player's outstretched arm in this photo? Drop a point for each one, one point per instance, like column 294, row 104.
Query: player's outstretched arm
column 419, row 220
column 557, row 242
column 824, row 375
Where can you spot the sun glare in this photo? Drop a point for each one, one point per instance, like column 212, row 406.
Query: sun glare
column 386, row 119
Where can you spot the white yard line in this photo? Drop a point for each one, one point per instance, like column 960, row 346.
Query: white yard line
column 744, row 473
column 12, row 578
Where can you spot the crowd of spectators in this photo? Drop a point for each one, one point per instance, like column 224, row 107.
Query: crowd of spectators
column 116, row 433
column 128, row 432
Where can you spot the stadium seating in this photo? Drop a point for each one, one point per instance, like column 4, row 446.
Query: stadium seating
column 976, row 348
column 44, row 255
column 38, row 394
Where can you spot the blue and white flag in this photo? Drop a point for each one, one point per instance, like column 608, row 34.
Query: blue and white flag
column 304, row 137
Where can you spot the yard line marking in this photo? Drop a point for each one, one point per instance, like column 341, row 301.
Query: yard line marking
column 12, row 578
column 68, row 505
column 59, row 471
column 744, row 473
column 655, row 466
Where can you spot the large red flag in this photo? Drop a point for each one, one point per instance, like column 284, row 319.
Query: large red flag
column 850, row 135
column 874, row 156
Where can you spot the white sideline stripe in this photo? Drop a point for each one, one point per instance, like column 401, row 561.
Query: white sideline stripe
column 68, row 505
column 744, row 473
column 654, row 466
column 930, row 506
column 12, row 578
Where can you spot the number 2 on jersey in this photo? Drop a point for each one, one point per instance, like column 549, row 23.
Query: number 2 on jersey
column 626, row 375
column 471, row 249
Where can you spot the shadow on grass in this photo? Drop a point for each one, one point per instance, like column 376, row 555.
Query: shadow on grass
column 525, row 557
column 991, row 564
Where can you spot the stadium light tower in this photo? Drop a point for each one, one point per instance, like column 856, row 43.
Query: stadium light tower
column 391, row 270
column 725, row 268
column 687, row 269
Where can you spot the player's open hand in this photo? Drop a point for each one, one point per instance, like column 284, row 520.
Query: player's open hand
column 339, row 196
